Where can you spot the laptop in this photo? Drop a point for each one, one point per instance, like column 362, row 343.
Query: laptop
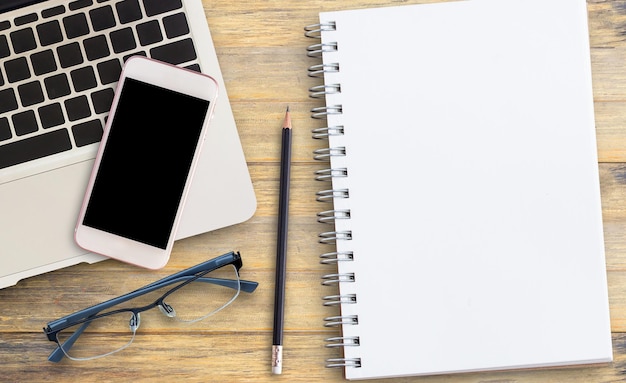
column 59, row 65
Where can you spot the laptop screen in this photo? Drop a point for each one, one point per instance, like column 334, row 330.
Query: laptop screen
column 9, row 5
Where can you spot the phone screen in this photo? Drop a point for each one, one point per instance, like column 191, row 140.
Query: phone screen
column 145, row 164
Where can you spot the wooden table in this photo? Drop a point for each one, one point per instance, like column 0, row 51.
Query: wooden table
column 262, row 51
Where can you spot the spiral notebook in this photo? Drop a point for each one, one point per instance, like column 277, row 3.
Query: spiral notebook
column 461, row 199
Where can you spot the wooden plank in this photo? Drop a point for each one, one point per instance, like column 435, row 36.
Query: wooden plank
column 240, row 356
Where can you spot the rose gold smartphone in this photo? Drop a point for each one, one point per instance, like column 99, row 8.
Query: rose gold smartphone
column 146, row 159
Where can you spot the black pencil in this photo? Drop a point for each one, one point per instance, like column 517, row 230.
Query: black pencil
column 281, row 247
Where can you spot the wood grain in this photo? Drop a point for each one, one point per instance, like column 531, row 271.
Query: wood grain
column 262, row 53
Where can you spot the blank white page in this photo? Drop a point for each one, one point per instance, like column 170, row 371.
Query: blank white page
column 474, row 190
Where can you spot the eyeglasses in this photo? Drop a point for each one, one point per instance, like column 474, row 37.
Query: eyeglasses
column 187, row 296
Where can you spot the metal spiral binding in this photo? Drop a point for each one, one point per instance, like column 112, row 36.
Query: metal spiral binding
column 319, row 69
column 327, row 131
column 329, row 174
column 331, row 194
column 331, row 279
column 323, row 111
column 343, row 362
column 332, row 216
column 324, row 154
column 315, row 30
column 343, row 341
column 341, row 320
column 316, row 50
column 336, row 256
column 331, row 237
column 335, row 300
column 320, row 91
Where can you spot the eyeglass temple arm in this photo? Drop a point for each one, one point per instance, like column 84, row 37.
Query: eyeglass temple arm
column 246, row 286
column 58, row 354
column 212, row 264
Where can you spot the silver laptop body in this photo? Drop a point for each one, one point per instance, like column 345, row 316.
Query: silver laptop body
column 47, row 97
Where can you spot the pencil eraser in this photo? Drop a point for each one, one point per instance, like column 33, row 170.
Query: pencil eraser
column 277, row 360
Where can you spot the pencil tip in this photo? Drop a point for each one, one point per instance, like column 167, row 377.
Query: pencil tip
column 287, row 121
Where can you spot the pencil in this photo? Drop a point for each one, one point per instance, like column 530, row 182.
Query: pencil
column 281, row 247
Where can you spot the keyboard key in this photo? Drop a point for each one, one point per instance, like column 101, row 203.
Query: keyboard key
column 109, row 71
column 175, row 25
column 24, row 123
column 54, row 11
column 8, row 102
column 83, row 79
column 149, row 33
column 128, row 11
column 4, row 25
column 69, row 55
column 96, row 47
column 17, row 69
column 175, row 53
column 77, row 108
column 34, row 147
column 49, row 33
column 76, row 25
column 30, row 93
column 4, row 47
column 87, row 133
column 43, row 62
column 155, row 7
column 194, row 67
column 102, row 100
column 22, row 20
column 78, row 4
column 57, row 86
column 102, row 18
column 141, row 53
column 23, row 40
column 123, row 40
column 51, row 115
column 5, row 129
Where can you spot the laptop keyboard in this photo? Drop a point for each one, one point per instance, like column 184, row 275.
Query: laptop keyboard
column 59, row 67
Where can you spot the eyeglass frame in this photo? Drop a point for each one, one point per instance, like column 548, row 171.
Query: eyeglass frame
column 186, row 276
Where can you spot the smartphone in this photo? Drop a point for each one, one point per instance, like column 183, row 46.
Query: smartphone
column 145, row 162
